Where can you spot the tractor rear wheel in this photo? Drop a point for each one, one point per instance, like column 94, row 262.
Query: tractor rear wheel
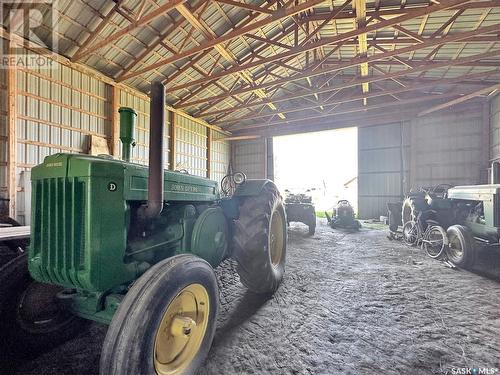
column 461, row 247
column 31, row 320
column 166, row 322
column 411, row 208
column 259, row 244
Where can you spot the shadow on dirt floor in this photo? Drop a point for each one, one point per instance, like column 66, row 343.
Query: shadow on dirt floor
column 350, row 303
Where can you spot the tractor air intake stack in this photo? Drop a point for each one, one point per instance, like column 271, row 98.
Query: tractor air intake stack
column 128, row 118
column 156, row 129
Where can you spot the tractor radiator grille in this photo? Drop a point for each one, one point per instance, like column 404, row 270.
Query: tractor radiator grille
column 59, row 228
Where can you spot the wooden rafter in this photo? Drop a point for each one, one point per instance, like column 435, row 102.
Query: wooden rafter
column 342, row 37
column 162, row 10
column 484, row 91
column 253, row 8
column 426, row 85
column 211, row 43
column 397, row 74
column 353, row 109
column 210, row 35
column 357, row 60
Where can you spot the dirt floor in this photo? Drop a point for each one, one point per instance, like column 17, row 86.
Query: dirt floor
column 350, row 303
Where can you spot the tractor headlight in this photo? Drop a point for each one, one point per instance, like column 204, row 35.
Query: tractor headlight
column 239, row 178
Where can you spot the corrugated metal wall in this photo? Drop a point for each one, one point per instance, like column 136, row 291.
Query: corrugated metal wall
column 140, row 103
column 448, row 148
column 57, row 109
column 445, row 147
column 3, row 131
column 249, row 157
column 382, row 167
column 495, row 128
column 190, row 146
column 220, row 155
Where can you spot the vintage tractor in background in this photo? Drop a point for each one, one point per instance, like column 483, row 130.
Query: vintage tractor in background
column 299, row 208
column 469, row 214
column 116, row 243
column 343, row 216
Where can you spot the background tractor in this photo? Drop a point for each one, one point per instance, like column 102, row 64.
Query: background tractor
column 343, row 216
column 299, row 208
column 469, row 214
column 118, row 243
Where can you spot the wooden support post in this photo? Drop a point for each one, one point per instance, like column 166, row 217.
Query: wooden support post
column 413, row 153
column 115, row 121
column 209, row 152
column 485, row 149
column 171, row 142
column 12, row 136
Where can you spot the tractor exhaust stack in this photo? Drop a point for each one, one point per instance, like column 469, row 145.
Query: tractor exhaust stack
column 156, row 161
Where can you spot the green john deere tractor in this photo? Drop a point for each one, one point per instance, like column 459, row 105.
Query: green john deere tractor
column 116, row 243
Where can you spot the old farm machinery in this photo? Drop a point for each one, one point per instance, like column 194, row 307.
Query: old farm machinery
column 135, row 248
column 343, row 216
column 463, row 219
column 300, row 208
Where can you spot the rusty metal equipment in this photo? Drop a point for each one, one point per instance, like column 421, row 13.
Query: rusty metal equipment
column 343, row 216
column 300, row 208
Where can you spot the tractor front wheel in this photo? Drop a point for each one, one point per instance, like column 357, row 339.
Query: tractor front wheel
column 166, row 322
column 260, row 237
column 31, row 319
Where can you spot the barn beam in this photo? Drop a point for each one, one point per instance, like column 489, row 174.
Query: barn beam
column 253, row 8
column 160, row 11
column 12, row 134
column 484, row 91
column 354, row 61
column 426, row 85
column 347, row 15
column 354, row 109
column 229, row 56
column 335, row 40
column 105, row 21
column 401, row 73
column 277, row 16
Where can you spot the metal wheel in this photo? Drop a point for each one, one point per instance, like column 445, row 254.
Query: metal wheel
column 277, row 238
column 165, row 324
column 181, row 331
column 411, row 233
column 435, row 241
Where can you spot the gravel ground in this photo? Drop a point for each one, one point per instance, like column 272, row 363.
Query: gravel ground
column 350, row 303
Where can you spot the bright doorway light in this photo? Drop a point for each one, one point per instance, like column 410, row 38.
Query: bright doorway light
column 325, row 161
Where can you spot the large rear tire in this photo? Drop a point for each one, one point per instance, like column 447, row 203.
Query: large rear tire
column 461, row 249
column 166, row 322
column 31, row 320
column 260, row 238
column 411, row 208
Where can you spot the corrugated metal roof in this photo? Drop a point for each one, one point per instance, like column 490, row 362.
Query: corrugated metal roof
column 190, row 82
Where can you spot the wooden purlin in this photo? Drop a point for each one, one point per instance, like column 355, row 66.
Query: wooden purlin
column 373, row 94
column 356, row 61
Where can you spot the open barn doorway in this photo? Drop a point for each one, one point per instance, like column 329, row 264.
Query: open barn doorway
column 323, row 164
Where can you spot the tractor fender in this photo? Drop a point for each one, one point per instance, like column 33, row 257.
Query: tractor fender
column 251, row 188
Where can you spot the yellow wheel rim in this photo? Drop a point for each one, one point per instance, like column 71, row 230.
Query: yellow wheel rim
column 277, row 238
column 181, row 330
